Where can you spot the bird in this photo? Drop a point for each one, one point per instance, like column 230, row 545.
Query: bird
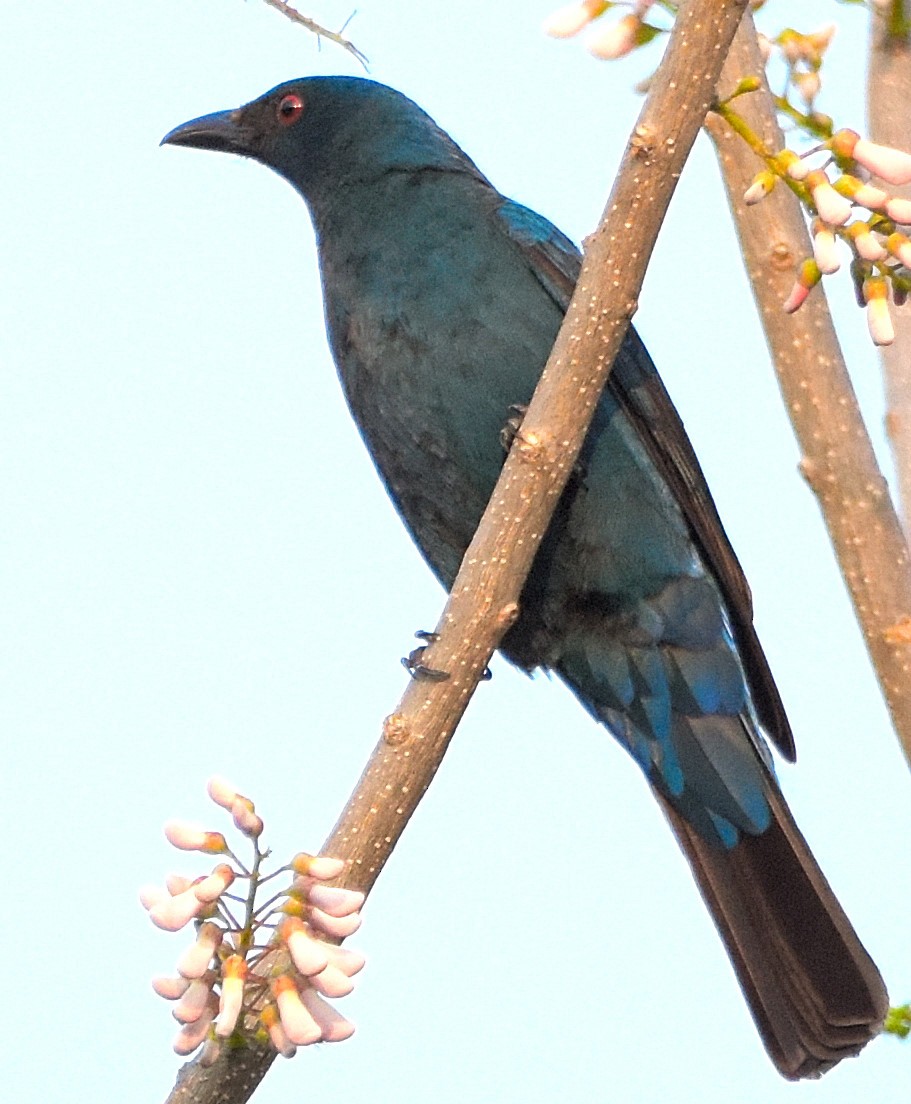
column 443, row 299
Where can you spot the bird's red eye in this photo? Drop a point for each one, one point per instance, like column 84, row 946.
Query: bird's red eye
column 290, row 109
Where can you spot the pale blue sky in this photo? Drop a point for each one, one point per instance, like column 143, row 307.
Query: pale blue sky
column 200, row 572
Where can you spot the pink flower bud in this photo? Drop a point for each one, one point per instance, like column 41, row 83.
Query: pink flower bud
column 272, row 1023
column 210, row 889
column 297, row 1021
column 899, row 246
column 170, row 988
column 879, row 321
column 194, row 1001
column 245, row 818
column 874, row 199
column 151, row 895
column 832, row 207
column 899, row 210
column 808, row 276
column 234, row 972
column 796, row 167
column 762, row 184
column 336, row 927
column 331, row 982
column 333, row 1027
column 825, row 249
column 335, row 901
column 343, row 958
column 867, row 244
column 616, row 40
column 176, row 912
column 308, row 954
column 221, row 791
column 190, row 837
column 177, row 883
column 808, row 85
column 568, row 21
column 191, row 1035
column 317, row 866
column 195, row 960
column 891, row 165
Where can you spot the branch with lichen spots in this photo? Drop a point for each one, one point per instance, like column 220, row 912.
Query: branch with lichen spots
column 889, row 115
column 838, row 459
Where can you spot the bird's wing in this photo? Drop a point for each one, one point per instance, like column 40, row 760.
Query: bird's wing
column 640, row 393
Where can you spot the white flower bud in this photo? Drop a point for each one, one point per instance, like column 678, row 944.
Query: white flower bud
column 221, row 791
column 335, row 901
column 170, row 988
column 331, row 982
column 191, row 837
column 616, row 40
column 194, row 1001
column 333, row 1027
column 208, row 890
column 825, row 250
column 891, row 165
column 195, row 960
column 234, row 971
column 176, row 912
column 337, row 927
column 191, row 1035
column 297, row 1021
column 833, row 208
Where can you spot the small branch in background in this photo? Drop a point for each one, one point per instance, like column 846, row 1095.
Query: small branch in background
column 337, row 37
column 889, row 120
column 838, row 460
column 484, row 599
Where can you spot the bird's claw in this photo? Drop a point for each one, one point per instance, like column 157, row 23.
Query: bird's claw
column 510, row 431
column 418, row 670
column 412, row 662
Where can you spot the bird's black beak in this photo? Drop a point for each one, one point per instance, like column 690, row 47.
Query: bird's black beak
column 222, row 131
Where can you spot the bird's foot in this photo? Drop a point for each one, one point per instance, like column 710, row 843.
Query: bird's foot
column 510, row 431
column 418, row 670
column 412, row 662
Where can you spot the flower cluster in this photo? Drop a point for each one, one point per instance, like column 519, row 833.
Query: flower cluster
column 613, row 40
column 802, row 55
column 257, row 971
column 880, row 249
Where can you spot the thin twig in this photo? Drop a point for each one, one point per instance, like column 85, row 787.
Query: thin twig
column 337, row 37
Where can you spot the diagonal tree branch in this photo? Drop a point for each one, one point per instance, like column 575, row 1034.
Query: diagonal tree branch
column 838, row 460
column 889, row 114
column 484, row 599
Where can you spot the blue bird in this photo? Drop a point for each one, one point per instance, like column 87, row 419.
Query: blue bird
column 443, row 299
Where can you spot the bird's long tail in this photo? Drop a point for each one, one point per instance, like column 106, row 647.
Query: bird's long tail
column 813, row 990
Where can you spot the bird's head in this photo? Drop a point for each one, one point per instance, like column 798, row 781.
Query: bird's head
column 319, row 132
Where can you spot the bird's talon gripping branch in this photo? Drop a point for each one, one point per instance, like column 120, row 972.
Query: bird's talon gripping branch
column 420, row 671
column 516, row 415
column 412, row 662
